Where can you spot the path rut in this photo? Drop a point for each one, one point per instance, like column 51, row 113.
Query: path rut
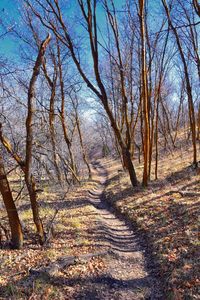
column 127, row 276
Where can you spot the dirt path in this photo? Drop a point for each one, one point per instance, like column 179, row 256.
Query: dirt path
column 94, row 255
column 127, row 276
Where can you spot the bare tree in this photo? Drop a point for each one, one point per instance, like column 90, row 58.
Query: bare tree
column 26, row 164
column 89, row 15
column 188, row 84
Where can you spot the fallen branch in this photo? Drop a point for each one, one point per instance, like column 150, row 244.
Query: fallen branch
column 185, row 193
column 65, row 262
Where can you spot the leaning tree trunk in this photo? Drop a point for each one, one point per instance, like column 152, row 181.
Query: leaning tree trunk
column 30, row 182
column 126, row 154
column 102, row 95
column 89, row 13
column 15, row 226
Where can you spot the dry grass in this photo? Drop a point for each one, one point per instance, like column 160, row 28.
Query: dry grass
column 170, row 221
column 74, row 224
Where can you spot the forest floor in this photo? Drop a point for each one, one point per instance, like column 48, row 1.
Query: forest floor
column 112, row 258
column 104, row 258
column 167, row 215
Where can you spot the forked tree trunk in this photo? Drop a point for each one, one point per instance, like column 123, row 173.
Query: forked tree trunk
column 14, row 222
column 30, row 182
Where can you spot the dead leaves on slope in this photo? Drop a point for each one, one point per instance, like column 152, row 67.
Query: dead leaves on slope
column 172, row 224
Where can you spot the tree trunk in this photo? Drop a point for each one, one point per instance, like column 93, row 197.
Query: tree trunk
column 82, row 146
column 30, row 182
column 156, row 140
column 188, row 85
column 15, row 226
column 197, row 7
column 198, row 124
column 126, row 155
column 62, row 116
column 52, row 84
column 144, row 95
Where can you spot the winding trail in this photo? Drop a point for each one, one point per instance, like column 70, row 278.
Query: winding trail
column 127, row 276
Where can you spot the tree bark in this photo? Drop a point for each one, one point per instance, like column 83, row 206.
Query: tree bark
column 15, row 226
column 198, row 125
column 197, row 7
column 62, row 117
column 29, row 179
column 85, row 159
column 52, row 84
column 144, row 95
column 188, row 85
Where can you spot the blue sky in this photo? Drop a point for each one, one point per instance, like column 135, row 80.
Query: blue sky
column 9, row 16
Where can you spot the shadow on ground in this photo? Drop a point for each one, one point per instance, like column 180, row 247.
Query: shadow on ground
column 169, row 222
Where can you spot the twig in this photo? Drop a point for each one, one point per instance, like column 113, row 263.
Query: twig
column 19, row 194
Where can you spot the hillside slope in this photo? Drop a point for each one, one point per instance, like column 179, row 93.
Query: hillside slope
column 167, row 215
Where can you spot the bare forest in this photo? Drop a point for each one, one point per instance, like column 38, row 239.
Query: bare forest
column 99, row 149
